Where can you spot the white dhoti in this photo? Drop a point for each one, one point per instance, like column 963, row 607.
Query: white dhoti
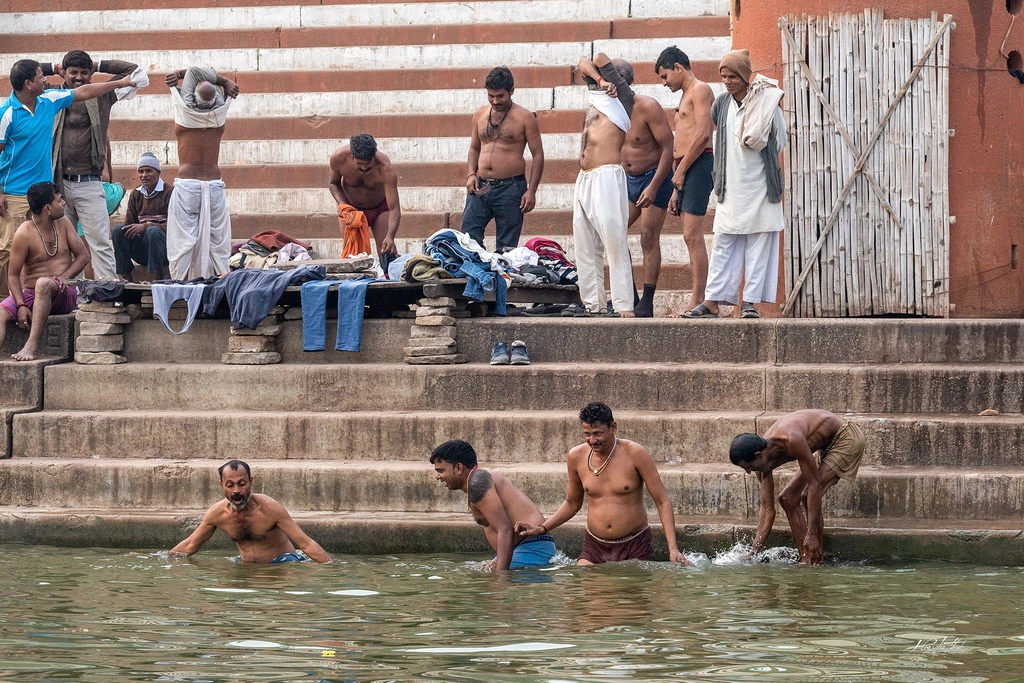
column 198, row 229
column 753, row 257
column 600, row 216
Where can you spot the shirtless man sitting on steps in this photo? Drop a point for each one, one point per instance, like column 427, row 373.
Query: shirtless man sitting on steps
column 45, row 253
column 365, row 179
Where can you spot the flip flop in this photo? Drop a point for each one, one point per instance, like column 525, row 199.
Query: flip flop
column 698, row 311
column 748, row 311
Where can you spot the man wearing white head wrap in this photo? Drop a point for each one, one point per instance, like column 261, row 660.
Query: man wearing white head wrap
column 600, row 208
column 748, row 186
column 198, row 222
column 143, row 237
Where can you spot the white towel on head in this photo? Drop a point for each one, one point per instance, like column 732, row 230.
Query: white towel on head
column 140, row 79
column 187, row 117
column 610, row 107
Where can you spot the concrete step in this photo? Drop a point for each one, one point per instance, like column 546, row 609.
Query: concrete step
column 383, row 102
column 640, row 7
column 483, row 55
column 360, row 486
column 488, row 31
column 504, row 436
column 989, row 542
column 918, row 388
column 400, row 387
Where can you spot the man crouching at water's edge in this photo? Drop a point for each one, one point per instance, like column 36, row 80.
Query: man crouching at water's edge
column 258, row 524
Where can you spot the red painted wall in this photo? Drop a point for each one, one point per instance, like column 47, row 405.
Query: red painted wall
column 986, row 155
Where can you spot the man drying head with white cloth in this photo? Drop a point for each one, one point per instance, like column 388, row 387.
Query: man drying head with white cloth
column 198, row 222
column 600, row 207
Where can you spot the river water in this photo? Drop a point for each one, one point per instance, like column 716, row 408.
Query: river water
column 118, row 615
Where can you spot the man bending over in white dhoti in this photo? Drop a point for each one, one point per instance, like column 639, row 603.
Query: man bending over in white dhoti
column 198, row 222
column 600, row 206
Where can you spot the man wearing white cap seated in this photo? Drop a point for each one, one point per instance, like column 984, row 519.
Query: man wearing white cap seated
column 198, row 222
column 600, row 207
column 143, row 237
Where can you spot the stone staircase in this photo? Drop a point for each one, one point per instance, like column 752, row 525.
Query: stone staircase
column 127, row 454
column 411, row 74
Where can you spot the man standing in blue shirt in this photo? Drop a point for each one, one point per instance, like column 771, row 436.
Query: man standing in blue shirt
column 26, row 143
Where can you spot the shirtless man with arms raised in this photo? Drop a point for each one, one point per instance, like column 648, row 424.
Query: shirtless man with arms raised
column 797, row 436
column 496, row 186
column 647, row 160
column 365, row 179
column 600, row 206
column 198, row 220
column 258, row 524
column 611, row 473
column 494, row 502
column 45, row 253
column 694, row 159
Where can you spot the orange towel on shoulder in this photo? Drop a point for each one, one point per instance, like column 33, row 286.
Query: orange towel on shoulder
column 354, row 229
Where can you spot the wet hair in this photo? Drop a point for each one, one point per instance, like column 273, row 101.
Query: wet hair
column 24, row 70
column 625, row 70
column 745, row 448
column 671, row 56
column 234, row 465
column 363, row 146
column 500, row 78
column 41, row 194
column 596, row 413
column 77, row 59
column 456, row 451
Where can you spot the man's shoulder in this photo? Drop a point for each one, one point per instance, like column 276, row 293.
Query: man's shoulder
column 57, row 95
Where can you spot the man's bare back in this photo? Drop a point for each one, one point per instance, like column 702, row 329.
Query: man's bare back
column 517, row 506
column 816, row 428
column 198, row 152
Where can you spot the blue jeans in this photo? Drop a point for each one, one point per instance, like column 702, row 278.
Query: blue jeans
column 500, row 202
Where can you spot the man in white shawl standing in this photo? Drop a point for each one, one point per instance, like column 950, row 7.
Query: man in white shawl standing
column 751, row 133
column 600, row 207
column 198, row 221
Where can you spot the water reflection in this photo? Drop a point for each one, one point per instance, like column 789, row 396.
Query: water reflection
column 107, row 615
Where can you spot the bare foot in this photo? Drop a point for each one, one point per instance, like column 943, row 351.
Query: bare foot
column 627, row 314
column 24, row 354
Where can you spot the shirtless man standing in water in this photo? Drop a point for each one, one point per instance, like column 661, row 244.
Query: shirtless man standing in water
column 647, row 159
column 611, row 473
column 600, row 206
column 258, row 524
column 496, row 186
column 694, row 159
column 365, row 179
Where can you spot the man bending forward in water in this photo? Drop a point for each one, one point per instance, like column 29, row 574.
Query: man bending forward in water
column 258, row 524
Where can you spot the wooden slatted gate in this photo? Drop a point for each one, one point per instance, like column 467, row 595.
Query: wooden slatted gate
column 867, row 194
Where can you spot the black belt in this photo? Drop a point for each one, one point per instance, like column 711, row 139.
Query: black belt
column 503, row 181
column 80, row 178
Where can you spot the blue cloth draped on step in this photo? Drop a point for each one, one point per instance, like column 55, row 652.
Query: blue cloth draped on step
column 460, row 262
column 351, row 305
column 252, row 292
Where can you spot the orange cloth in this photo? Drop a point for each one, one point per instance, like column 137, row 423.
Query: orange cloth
column 354, row 229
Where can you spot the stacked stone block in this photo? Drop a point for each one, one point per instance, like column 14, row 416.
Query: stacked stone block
column 101, row 333
column 256, row 347
column 433, row 337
